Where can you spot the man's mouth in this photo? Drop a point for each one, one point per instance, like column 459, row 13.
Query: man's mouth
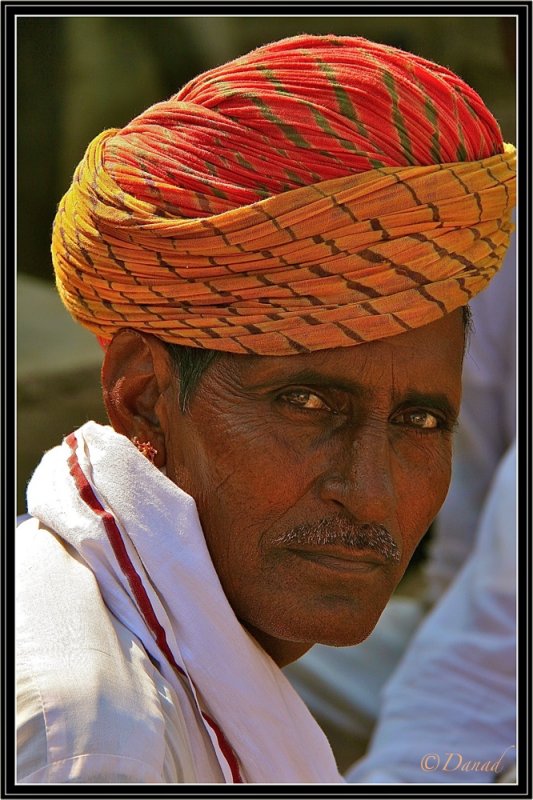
column 341, row 559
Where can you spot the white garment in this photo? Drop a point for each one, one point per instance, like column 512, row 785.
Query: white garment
column 454, row 691
column 103, row 612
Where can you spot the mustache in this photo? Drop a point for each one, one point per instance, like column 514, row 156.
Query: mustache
column 337, row 530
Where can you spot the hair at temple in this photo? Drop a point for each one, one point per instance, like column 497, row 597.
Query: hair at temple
column 190, row 362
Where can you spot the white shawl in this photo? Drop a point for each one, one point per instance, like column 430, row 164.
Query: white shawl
column 141, row 537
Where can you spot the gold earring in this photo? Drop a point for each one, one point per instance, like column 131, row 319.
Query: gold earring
column 147, row 449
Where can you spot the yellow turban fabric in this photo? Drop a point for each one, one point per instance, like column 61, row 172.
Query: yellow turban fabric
column 320, row 192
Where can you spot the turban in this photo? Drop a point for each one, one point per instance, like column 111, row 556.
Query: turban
column 319, row 192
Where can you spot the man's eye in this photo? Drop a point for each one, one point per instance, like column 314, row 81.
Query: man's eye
column 418, row 419
column 306, row 400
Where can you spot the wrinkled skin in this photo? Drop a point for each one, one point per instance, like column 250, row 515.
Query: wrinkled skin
column 359, row 434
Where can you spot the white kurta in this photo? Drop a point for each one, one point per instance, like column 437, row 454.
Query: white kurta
column 132, row 667
column 92, row 706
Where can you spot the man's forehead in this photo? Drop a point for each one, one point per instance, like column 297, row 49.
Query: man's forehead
column 425, row 356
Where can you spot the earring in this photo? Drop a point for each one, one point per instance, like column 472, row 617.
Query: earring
column 146, row 449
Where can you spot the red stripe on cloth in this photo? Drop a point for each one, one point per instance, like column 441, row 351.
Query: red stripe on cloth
column 88, row 496
column 226, row 749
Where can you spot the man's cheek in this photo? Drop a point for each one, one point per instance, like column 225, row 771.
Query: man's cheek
column 422, row 486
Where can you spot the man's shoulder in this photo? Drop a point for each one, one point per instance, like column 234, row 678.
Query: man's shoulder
column 86, row 686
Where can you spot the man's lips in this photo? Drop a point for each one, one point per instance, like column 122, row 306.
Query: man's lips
column 341, row 559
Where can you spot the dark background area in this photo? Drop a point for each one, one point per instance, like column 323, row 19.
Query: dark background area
column 78, row 75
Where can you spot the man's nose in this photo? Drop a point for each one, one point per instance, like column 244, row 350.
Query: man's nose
column 361, row 480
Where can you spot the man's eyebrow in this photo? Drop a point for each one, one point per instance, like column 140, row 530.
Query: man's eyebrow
column 313, row 377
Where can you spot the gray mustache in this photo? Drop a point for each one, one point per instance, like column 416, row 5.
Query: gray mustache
column 337, row 530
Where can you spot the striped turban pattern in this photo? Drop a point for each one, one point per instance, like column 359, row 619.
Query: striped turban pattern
column 319, row 192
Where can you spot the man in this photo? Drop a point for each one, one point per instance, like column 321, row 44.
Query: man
column 276, row 261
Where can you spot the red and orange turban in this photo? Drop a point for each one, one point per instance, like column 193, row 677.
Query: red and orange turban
column 320, row 192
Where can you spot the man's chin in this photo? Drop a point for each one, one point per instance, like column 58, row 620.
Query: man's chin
column 333, row 636
column 349, row 640
column 335, row 622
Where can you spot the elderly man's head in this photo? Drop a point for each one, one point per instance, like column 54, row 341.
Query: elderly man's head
column 277, row 260
column 315, row 476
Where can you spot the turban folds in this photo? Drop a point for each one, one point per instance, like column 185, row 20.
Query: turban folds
column 319, row 192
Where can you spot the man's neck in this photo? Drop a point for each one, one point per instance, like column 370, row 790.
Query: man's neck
column 280, row 651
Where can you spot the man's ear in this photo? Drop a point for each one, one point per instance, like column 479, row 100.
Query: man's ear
column 136, row 374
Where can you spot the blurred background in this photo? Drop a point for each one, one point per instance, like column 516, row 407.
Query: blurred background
column 77, row 76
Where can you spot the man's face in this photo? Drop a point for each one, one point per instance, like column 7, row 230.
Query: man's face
column 316, row 476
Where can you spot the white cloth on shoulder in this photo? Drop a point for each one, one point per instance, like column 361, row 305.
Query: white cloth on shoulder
column 136, row 607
